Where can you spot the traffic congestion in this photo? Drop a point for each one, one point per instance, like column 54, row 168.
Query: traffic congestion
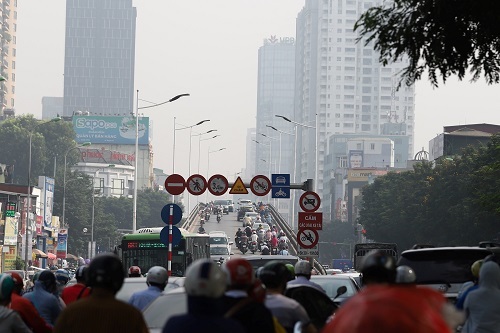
column 251, row 282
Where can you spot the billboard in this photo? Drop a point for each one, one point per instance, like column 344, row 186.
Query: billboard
column 47, row 185
column 11, row 230
column 355, row 159
column 112, row 130
column 62, row 243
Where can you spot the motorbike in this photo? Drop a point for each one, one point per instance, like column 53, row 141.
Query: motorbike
column 201, row 230
column 243, row 247
column 252, row 247
column 207, row 216
column 218, row 218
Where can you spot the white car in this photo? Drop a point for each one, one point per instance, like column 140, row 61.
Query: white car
column 219, row 238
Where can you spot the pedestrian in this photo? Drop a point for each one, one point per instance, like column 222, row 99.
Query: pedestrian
column 44, row 298
column 25, row 309
column 101, row 312
column 9, row 319
column 205, row 284
column 156, row 280
column 481, row 305
column 240, row 302
column 288, row 312
column 79, row 289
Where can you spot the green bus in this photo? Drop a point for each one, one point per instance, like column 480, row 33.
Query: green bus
column 145, row 249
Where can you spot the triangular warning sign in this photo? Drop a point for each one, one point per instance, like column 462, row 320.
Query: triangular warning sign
column 238, row 187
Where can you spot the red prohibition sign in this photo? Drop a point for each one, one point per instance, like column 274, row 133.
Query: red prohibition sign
column 309, row 201
column 307, row 238
column 175, row 184
column 260, row 185
column 218, row 185
column 196, row 184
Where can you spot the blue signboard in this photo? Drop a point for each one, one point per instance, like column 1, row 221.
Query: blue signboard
column 171, row 211
column 280, row 186
column 176, row 235
column 112, row 130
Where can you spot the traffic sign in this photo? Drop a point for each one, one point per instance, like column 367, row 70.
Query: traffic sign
column 312, row 252
column 165, row 237
column 280, row 179
column 196, row 184
column 280, row 192
column 260, row 185
column 307, row 238
column 310, row 220
column 309, row 201
column 175, row 184
column 218, row 185
column 238, row 187
column 171, row 212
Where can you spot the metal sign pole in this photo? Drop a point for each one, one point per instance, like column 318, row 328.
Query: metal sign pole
column 170, row 239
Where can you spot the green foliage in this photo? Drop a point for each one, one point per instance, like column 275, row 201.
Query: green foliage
column 454, row 202
column 444, row 37
column 332, row 234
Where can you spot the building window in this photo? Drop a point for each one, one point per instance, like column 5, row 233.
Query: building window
column 118, row 187
column 372, row 146
column 99, row 187
column 343, row 162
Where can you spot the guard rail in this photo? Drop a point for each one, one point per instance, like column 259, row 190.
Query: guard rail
column 193, row 216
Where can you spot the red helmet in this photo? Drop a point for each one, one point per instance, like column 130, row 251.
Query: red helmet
column 18, row 280
column 134, row 271
column 239, row 273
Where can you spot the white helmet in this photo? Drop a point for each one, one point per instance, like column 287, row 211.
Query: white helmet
column 303, row 267
column 205, row 278
column 157, row 274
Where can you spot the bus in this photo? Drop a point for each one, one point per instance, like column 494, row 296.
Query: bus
column 362, row 249
column 145, row 249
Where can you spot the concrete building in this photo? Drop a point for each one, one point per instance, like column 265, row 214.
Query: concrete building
column 51, row 107
column 340, row 86
column 455, row 138
column 99, row 57
column 8, row 41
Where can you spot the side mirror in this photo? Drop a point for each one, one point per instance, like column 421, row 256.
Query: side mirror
column 341, row 291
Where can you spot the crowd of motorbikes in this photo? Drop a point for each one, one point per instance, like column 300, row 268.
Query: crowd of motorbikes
column 205, row 216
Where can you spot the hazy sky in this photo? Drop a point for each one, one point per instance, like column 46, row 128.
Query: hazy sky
column 209, row 49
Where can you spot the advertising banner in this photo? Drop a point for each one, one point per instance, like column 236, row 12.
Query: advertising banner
column 47, row 185
column 39, row 223
column 355, row 158
column 112, row 130
column 62, row 243
column 10, row 258
column 11, row 229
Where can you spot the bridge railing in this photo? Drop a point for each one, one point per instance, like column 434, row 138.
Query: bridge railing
column 193, row 216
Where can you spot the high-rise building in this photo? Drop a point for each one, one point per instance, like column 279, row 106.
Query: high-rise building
column 52, row 107
column 8, row 42
column 341, row 88
column 99, row 58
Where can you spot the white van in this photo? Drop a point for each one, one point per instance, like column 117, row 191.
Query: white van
column 244, row 202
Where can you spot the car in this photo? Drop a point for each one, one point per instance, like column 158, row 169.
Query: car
column 219, row 238
column 244, row 202
column 243, row 210
column 134, row 284
column 331, row 284
column 444, row 269
column 223, row 204
column 355, row 275
column 220, row 253
column 168, row 304
column 258, row 261
column 253, row 216
column 230, row 205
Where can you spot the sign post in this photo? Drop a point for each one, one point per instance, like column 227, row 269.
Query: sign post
column 170, row 214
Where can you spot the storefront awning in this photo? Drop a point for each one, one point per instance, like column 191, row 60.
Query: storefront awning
column 39, row 253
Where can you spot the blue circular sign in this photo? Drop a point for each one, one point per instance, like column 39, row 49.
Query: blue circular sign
column 171, row 211
column 176, row 235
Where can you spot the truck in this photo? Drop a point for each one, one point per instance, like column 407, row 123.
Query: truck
column 343, row 264
column 362, row 249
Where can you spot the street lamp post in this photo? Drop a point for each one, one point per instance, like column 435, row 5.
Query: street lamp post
column 270, row 148
column 182, row 128
column 28, row 199
column 64, row 180
column 199, row 148
column 92, row 246
column 137, row 108
column 279, row 159
column 208, row 161
column 295, row 148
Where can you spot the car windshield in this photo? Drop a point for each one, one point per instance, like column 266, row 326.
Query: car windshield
column 219, row 250
column 442, row 266
column 220, row 202
column 163, row 308
column 259, row 262
column 332, row 284
column 218, row 240
column 252, row 215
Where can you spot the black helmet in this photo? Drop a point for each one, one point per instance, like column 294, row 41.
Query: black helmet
column 378, row 267
column 106, row 271
column 48, row 279
column 274, row 273
column 81, row 272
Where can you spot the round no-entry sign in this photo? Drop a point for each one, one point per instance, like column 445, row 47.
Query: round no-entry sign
column 309, row 201
column 175, row 184
column 307, row 238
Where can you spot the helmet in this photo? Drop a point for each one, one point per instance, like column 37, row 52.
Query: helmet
column 476, row 266
column 36, row 276
column 239, row 229
column 405, row 275
column 48, row 279
column 291, row 269
column 274, row 274
column 239, row 273
column 53, row 268
column 134, row 271
column 205, row 278
column 106, row 271
column 157, row 275
column 378, row 267
column 254, row 232
column 18, row 280
column 81, row 272
column 6, row 287
column 303, row 267
column 62, row 276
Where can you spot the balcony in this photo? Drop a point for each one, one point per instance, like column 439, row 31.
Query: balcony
column 5, row 27
column 5, row 64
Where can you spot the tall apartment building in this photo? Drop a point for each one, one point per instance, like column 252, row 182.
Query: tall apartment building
column 99, row 57
column 341, row 88
column 275, row 96
column 8, row 42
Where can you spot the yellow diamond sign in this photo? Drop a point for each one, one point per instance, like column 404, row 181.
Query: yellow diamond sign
column 238, row 187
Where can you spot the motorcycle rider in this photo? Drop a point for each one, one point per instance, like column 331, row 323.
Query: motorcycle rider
column 43, row 298
column 265, row 250
column 10, row 319
column 134, row 271
column 156, row 280
column 248, row 231
column 237, row 237
column 79, row 289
